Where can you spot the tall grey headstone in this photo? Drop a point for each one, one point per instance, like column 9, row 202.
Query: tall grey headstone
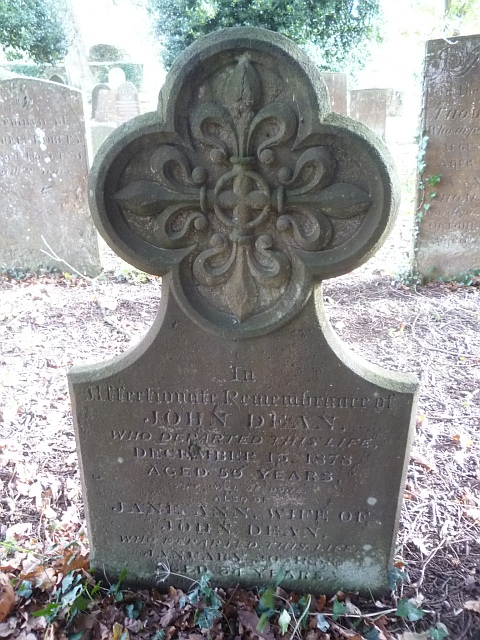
column 448, row 240
column 128, row 104
column 104, row 101
column 43, row 178
column 116, row 77
column 337, row 85
column 241, row 435
column 97, row 89
column 373, row 106
column 99, row 133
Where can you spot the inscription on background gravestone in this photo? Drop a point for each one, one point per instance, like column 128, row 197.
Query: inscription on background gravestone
column 448, row 241
column 337, row 84
column 43, row 178
column 105, row 104
column 95, row 93
column 241, row 435
column 116, row 77
column 370, row 107
column 128, row 105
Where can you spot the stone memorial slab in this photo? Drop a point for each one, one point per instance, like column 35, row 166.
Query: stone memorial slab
column 99, row 133
column 370, row 107
column 241, row 435
column 43, row 178
column 116, row 77
column 95, row 93
column 128, row 104
column 337, row 85
column 104, row 101
column 448, row 240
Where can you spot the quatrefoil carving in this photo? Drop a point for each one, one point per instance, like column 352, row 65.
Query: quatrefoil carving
column 242, row 185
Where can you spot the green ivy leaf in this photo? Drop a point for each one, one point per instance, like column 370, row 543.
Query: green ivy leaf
column 25, row 589
column 439, row 633
column 203, row 582
column 50, row 612
column 207, row 617
column 322, row 622
column 339, row 609
column 267, row 601
column 407, row 609
column 284, row 621
column 68, row 581
column 131, row 612
column 371, row 634
column 395, row 576
column 279, row 578
column 262, row 623
column 214, row 599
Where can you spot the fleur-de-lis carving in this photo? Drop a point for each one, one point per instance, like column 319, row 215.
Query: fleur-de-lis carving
column 241, row 204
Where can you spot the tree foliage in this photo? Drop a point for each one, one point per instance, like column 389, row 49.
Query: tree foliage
column 338, row 27
column 32, row 27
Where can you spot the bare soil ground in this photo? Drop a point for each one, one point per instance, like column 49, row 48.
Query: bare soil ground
column 49, row 322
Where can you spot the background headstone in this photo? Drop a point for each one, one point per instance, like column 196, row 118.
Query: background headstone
column 99, row 133
column 43, row 178
column 116, row 77
column 56, row 78
column 128, row 104
column 241, row 436
column 95, row 93
column 105, row 104
column 337, row 84
column 448, row 240
column 369, row 106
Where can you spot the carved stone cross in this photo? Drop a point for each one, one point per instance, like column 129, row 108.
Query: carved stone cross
column 241, row 437
column 243, row 185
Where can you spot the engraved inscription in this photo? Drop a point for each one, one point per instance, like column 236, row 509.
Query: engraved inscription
column 251, row 463
column 447, row 243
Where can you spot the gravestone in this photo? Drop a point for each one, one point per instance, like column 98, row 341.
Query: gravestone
column 97, row 89
column 105, row 103
column 99, row 133
column 128, row 104
column 448, row 240
column 241, row 435
column 372, row 106
column 43, row 178
column 337, row 85
column 116, row 77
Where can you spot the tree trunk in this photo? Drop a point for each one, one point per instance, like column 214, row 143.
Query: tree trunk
column 76, row 61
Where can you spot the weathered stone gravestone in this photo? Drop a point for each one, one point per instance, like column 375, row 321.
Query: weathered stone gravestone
column 241, row 435
column 97, row 89
column 99, row 133
column 43, row 178
column 372, row 106
column 104, row 104
column 448, row 241
column 116, row 77
column 128, row 104
column 337, row 85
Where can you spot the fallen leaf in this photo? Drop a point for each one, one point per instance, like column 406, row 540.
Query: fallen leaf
column 250, row 620
column 472, row 605
column 7, row 628
column 346, row 633
column 7, row 597
column 473, row 514
column 425, row 462
column 463, row 440
column 119, row 632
